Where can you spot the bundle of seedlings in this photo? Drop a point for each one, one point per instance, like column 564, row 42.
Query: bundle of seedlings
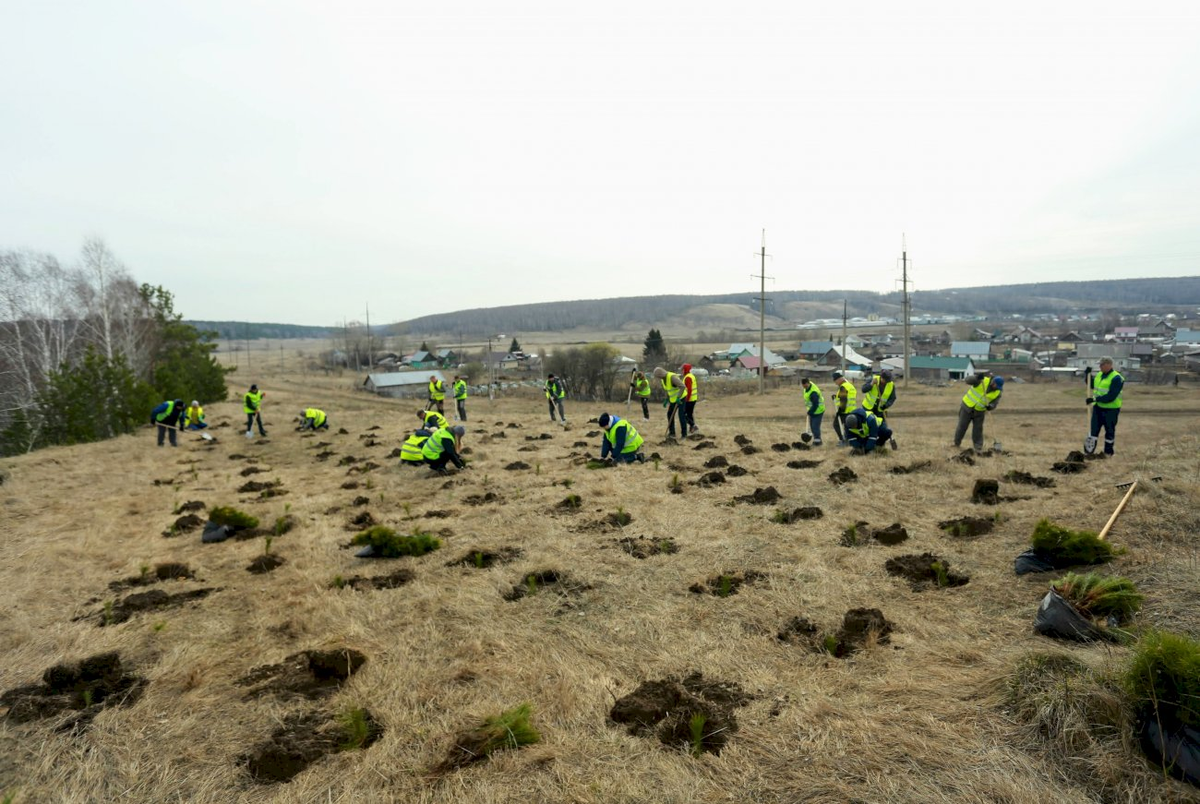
column 225, row 521
column 1055, row 547
column 508, row 730
column 1163, row 681
column 1087, row 607
column 383, row 542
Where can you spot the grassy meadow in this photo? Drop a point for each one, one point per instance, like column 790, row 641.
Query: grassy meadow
column 923, row 714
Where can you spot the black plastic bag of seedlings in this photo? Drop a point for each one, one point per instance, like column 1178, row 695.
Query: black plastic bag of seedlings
column 215, row 533
column 1030, row 561
column 1178, row 750
column 1058, row 618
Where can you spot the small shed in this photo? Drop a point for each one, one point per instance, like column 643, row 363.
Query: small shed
column 400, row 384
column 940, row 368
column 976, row 350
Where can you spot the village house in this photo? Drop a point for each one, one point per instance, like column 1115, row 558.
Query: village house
column 402, row 384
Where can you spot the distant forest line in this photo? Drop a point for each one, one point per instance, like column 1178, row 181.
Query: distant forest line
column 1126, row 296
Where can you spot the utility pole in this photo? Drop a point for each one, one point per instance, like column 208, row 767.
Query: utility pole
column 843, row 350
column 762, row 313
column 370, row 354
column 246, row 332
column 906, row 304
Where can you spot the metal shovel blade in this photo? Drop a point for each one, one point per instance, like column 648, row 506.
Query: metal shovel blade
column 1089, row 444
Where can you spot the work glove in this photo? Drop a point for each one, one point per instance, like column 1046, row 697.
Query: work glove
column 992, row 406
column 1089, row 400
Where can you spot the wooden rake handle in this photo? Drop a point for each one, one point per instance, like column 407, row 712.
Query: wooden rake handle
column 1117, row 513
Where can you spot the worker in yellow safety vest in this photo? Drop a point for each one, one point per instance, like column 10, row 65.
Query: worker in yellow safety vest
column 621, row 440
column 555, row 390
column 847, row 396
column 814, row 405
column 193, row 417
column 252, row 407
column 432, row 420
column 442, row 447
column 1106, row 406
column 641, row 387
column 687, row 405
column 411, row 453
column 460, row 397
column 313, row 419
column 982, row 395
column 437, row 393
column 672, row 385
column 879, row 394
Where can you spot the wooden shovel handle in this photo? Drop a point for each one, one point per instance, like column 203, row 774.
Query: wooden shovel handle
column 1116, row 513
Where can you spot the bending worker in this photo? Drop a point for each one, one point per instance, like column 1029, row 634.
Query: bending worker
column 167, row 416
column 313, row 419
column 442, row 447
column 555, row 391
column 879, row 394
column 432, row 420
column 411, row 453
column 815, row 405
column 982, row 396
column 620, row 440
column 641, row 387
column 865, row 431
column 846, row 403
column 437, row 393
column 672, row 385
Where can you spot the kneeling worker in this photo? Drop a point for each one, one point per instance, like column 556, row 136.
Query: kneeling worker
column 442, row 447
column 193, row 417
column 620, row 440
column 865, row 431
column 313, row 419
column 411, row 453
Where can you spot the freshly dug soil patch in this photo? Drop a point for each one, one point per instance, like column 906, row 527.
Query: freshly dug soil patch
column 393, row 580
column 371, row 443
column 360, row 500
column 750, row 449
column 668, row 708
column 618, row 519
column 800, row 631
column 801, row 445
column 543, row 581
column 170, row 571
column 967, row 527
column 580, row 444
column 528, row 448
column 299, row 742
column 736, row 471
column 843, row 476
column 438, row 513
column 308, row 674
column 986, row 492
column 572, row 502
column 803, row 464
column 510, row 425
column 727, row 583
column 798, row 515
column 592, row 433
column 767, row 496
column 716, row 462
column 256, row 485
column 324, row 456
column 516, row 466
column 861, row 627
column 782, row 447
column 709, row 479
column 541, row 437
column 251, row 470
column 347, row 460
column 641, row 547
column 484, row 559
column 361, row 521
column 483, row 499
column 395, row 453
column 362, row 468
column 1026, row 479
column 741, row 440
column 350, row 485
column 185, row 524
column 856, row 535
column 190, row 505
column 912, row 467
column 966, row 457
column 237, row 456
column 705, row 445
column 85, row 687
column 921, row 572
column 265, row 563
column 891, row 535
column 143, row 602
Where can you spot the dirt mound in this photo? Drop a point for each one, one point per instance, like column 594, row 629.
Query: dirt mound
column 801, row 445
column 302, row 740
column 438, row 513
column 689, row 713
column 516, row 466
column 360, row 500
column 483, row 499
column 966, row 457
column 750, row 449
column 143, row 602
column 641, row 547
column 986, row 492
column 798, row 515
column 483, row 559
column 324, row 456
column 705, row 445
column 891, row 535
column 361, row 521
column 540, row 437
column 190, row 505
column 169, row 571
column 782, row 447
column 543, row 581
column 363, row 468
column 510, row 425
column 709, row 479
column 308, row 674
column 350, row 485
column 767, row 496
column 800, row 631
column 580, row 444
column 856, row 535
column 185, row 524
column 912, row 467
column 392, row 580
column 925, row 571
column 861, row 628
column 257, row 486
column 1026, row 479
column 343, row 431
column 736, row 471
column 572, row 502
column 741, row 440
column 395, row 453
column 727, row 583
column 85, row 687
column 803, row 464
column 967, row 527
column 264, row 564
column 251, row 470
column 843, row 476
column 716, row 462
column 618, row 519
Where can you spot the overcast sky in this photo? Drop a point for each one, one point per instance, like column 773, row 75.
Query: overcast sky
column 293, row 161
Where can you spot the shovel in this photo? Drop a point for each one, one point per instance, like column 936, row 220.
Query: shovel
column 1089, row 442
column 200, row 433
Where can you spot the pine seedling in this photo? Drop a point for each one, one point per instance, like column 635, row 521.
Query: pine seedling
column 830, row 643
column 159, row 626
column 568, row 483
column 656, row 460
column 145, row 570
column 537, row 468
column 531, row 584
column 696, row 726
column 267, row 545
column 479, row 560
column 108, row 612
column 510, row 729
column 338, row 582
column 726, row 586
column 941, row 575
column 676, row 484
column 357, row 728
column 88, row 697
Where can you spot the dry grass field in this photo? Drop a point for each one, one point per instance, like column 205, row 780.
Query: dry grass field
column 921, row 715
